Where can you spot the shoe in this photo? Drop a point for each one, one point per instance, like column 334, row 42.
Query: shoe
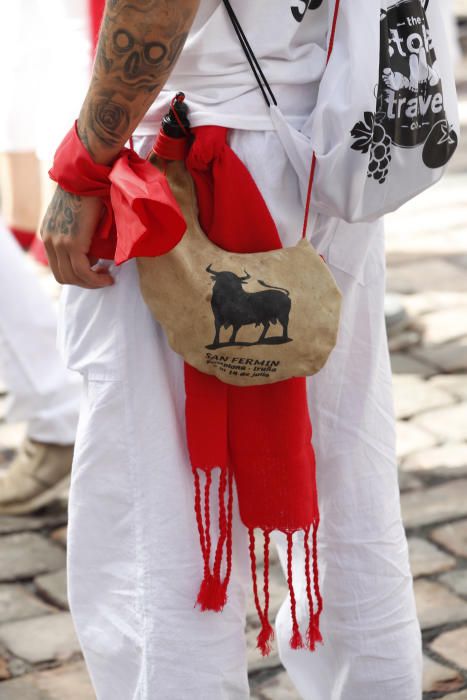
column 36, row 477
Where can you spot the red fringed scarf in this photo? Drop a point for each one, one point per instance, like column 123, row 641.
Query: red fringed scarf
column 260, row 436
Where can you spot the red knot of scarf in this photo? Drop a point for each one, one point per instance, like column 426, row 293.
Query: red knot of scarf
column 141, row 216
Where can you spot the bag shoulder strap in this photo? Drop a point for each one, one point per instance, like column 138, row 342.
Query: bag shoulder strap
column 266, row 89
column 263, row 84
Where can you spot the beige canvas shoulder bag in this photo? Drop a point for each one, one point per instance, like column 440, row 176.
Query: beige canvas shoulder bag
column 248, row 319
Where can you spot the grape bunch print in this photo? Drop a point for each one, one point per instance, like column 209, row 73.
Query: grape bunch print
column 370, row 135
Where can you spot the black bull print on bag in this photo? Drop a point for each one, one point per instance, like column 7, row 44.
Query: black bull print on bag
column 234, row 307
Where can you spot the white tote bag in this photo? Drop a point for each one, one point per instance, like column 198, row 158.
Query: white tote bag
column 386, row 120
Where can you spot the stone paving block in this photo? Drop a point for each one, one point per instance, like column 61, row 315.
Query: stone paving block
column 16, row 523
column 409, row 338
column 448, row 460
column 41, row 639
column 435, row 504
column 449, row 423
column 408, row 482
column 426, row 559
column 18, row 667
column 69, row 681
column 457, row 580
column 54, row 587
column 256, row 662
column 402, row 363
column 279, row 687
column 28, row 554
column 436, row 605
column 412, row 438
column 413, row 395
column 445, row 325
column 21, row 689
column 4, row 669
column 455, row 384
column 6, row 456
column 428, row 237
column 450, row 357
column 53, row 517
column 453, row 536
column 453, row 646
column 12, row 434
column 456, row 696
column 420, row 304
column 3, row 405
column 60, row 535
column 426, row 275
column 439, row 678
column 16, row 603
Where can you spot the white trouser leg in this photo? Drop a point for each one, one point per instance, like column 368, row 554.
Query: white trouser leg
column 42, row 391
column 369, row 624
column 134, row 559
column 372, row 640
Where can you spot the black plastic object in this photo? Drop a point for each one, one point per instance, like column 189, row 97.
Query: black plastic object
column 173, row 127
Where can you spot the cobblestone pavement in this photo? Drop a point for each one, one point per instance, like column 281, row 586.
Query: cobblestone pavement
column 427, row 266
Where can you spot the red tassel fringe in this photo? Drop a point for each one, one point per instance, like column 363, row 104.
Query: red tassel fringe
column 212, row 594
column 296, row 641
column 213, row 590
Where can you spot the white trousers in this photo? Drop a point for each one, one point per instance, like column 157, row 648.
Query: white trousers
column 134, row 562
column 41, row 390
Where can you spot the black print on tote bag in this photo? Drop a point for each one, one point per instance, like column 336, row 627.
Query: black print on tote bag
column 234, row 307
column 299, row 11
column 410, row 103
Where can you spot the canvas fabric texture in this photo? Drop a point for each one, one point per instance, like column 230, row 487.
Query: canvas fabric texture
column 298, row 275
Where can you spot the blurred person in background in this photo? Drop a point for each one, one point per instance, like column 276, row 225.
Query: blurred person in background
column 38, row 101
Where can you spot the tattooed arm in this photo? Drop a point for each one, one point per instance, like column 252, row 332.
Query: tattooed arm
column 139, row 44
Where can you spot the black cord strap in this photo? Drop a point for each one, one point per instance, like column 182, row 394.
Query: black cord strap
column 251, row 58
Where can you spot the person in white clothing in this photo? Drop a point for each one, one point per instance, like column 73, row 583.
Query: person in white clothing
column 133, row 556
column 42, row 392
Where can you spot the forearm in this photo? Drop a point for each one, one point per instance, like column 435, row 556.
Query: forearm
column 139, row 44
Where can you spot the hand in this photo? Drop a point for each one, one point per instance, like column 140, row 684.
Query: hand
column 67, row 230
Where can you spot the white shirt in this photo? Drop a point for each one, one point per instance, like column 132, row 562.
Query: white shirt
column 289, row 42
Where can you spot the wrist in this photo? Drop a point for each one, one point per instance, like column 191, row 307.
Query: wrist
column 100, row 153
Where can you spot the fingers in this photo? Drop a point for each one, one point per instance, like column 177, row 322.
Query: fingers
column 93, row 279
column 72, row 267
column 66, row 268
column 53, row 262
